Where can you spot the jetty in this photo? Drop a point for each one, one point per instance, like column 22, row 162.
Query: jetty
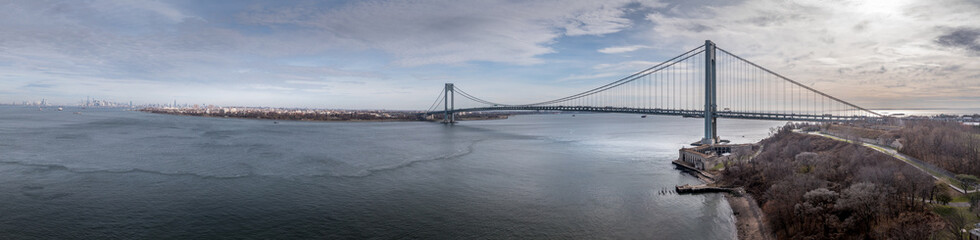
column 704, row 188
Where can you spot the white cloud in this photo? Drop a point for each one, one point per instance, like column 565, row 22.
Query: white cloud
column 604, row 75
column 846, row 42
column 622, row 49
column 625, row 66
column 141, row 6
column 270, row 87
column 308, row 82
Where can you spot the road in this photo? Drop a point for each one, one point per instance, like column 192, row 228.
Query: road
column 905, row 158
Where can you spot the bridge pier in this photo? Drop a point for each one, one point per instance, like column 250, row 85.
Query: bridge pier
column 710, row 95
column 449, row 104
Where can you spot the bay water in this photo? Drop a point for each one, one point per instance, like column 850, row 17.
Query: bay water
column 110, row 173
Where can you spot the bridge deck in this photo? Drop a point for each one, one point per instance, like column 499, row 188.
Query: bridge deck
column 669, row 112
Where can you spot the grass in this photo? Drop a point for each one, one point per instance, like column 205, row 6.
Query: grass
column 718, row 166
column 971, row 218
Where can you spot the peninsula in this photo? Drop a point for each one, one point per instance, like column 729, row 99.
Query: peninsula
column 902, row 179
column 316, row 114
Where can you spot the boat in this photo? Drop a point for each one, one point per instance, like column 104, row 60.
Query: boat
column 644, row 116
column 60, row 109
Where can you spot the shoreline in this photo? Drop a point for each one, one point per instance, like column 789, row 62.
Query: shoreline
column 750, row 221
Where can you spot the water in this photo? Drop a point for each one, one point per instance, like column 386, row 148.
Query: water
column 930, row 112
column 121, row 174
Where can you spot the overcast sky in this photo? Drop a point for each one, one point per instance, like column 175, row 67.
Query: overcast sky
column 397, row 54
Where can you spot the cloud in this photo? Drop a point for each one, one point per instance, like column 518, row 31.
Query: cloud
column 271, row 87
column 610, row 71
column 605, row 75
column 606, row 19
column 85, row 47
column 308, row 82
column 38, row 85
column 865, row 44
column 965, row 38
column 622, row 49
column 625, row 66
column 346, row 52
column 135, row 7
column 450, row 32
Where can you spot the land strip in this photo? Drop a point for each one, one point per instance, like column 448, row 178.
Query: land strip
column 318, row 114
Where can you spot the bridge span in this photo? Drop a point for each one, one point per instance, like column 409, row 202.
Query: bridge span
column 705, row 82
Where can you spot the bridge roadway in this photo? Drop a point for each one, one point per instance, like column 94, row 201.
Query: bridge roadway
column 669, row 112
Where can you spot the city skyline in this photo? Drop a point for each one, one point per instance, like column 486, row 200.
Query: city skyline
column 397, row 54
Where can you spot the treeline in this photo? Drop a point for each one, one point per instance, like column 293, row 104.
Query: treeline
column 948, row 145
column 810, row 187
column 867, row 132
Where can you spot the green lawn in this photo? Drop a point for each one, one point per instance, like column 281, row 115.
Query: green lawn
column 718, row 166
column 971, row 218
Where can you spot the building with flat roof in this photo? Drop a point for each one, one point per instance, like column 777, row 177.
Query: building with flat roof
column 704, row 157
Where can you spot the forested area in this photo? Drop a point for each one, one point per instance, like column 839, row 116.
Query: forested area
column 811, row 187
column 948, row 145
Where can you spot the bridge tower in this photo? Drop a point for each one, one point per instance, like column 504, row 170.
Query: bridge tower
column 449, row 104
column 710, row 95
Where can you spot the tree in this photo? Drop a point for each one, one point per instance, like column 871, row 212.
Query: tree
column 940, row 187
column 864, row 202
column 974, row 202
column 943, row 198
column 909, row 226
column 819, row 221
column 967, row 181
column 810, row 187
column 953, row 219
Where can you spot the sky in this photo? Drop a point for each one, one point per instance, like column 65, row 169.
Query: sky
column 393, row 54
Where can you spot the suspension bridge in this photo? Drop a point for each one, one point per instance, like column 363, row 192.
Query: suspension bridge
column 705, row 82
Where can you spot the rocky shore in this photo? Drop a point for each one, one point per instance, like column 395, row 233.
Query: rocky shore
column 750, row 222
